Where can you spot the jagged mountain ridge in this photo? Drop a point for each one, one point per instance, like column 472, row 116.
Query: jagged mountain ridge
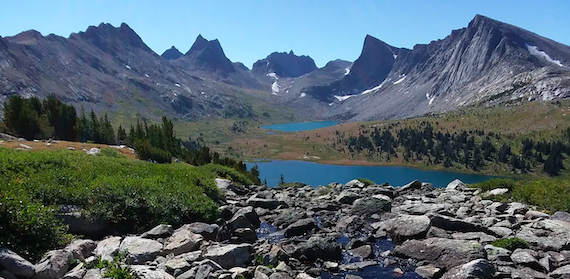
column 108, row 68
column 111, row 69
column 284, row 64
column 171, row 54
column 486, row 62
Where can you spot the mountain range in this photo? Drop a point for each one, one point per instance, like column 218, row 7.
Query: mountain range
column 107, row 68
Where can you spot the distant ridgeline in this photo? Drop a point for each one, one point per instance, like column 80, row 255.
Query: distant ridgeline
column 473, row 150
column 52, row 119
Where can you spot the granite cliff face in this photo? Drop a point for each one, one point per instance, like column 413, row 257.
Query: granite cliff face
column 487, row 62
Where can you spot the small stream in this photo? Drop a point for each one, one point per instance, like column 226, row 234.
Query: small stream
column 383, row 268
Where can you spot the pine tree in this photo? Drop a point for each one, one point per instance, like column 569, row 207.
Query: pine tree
column 121, row 135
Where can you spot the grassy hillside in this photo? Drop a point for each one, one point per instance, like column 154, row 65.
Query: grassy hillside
column 129, row 195
column 539, row 121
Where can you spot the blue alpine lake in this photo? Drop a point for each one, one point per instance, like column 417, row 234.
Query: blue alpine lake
column 296, row 127
column 321, row 174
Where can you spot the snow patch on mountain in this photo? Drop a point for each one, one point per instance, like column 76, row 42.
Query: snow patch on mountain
column 372, row 89
column 128, row 67
column 274, row 88
column 541, row 54
column 347, row 71
column 273, row 75
column 303, row 95
column 400, row 80
column 342, row 98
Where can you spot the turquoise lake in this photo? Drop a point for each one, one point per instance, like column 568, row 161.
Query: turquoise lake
column 321, row 174
column 297, row 127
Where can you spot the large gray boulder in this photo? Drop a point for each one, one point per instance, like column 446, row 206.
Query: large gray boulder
column 441, row 252
column 54, row 264
column 457, row 225
column 319, row 247
column 229, row 255
column 160, row 231
column 371, row 205
column 250, row 214
column 15, row 264
column 347, row 197
column 456, row 185
column 407, row 227
column 208, row 231
column 479, row 268
column 81, row 248
column 182, row 241
column 140, row 250
column 265, row 203
column 108, row 248
column 300, row 227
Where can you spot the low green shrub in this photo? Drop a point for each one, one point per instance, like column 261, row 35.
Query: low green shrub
column 366, row 181
column 28, row 227
column 110, row 152
column 510, row 243
column 130, row 195
column 550, row 194
column 496, row 183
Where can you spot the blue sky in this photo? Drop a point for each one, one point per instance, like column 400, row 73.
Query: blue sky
column 250, row 30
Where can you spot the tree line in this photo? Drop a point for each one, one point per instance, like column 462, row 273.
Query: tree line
column 472, row 149
column 32, row 118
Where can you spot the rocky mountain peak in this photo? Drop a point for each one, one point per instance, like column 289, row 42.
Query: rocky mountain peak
column 172, row 54
column 26, row 38
column 284, row 65
column 110, row 39
column 210, row 54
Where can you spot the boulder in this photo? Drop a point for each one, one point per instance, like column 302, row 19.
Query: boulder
column 147, row 272
column 363, row 252
column 457, row 225
column 371, row 205
column 497, row 253
column 479, row 268
column 561, row 216
column 229, row 255
column 532, row 215
column 407, row 227
column 239, row 221
column 207, row 231
column 108, row 248
column 250, row 214
column 81, row 248
column 525, row 257
column 318, row 246
column 456, row 185
column 93, row 274
column 246, row 235
column 263, row 203
column 54, row 264
column 177, row 265
column 414, row 185
column 16, row 264
column 160, row 231
column 497, row 192
column 429, row 271
column 182, row 241
column 300, row 227
column 561, row 272
column 440, row 252
column 355, row 183
column 140, row 250
column 347, row 197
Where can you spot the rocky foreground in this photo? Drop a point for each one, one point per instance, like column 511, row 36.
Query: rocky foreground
column 334, row 229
